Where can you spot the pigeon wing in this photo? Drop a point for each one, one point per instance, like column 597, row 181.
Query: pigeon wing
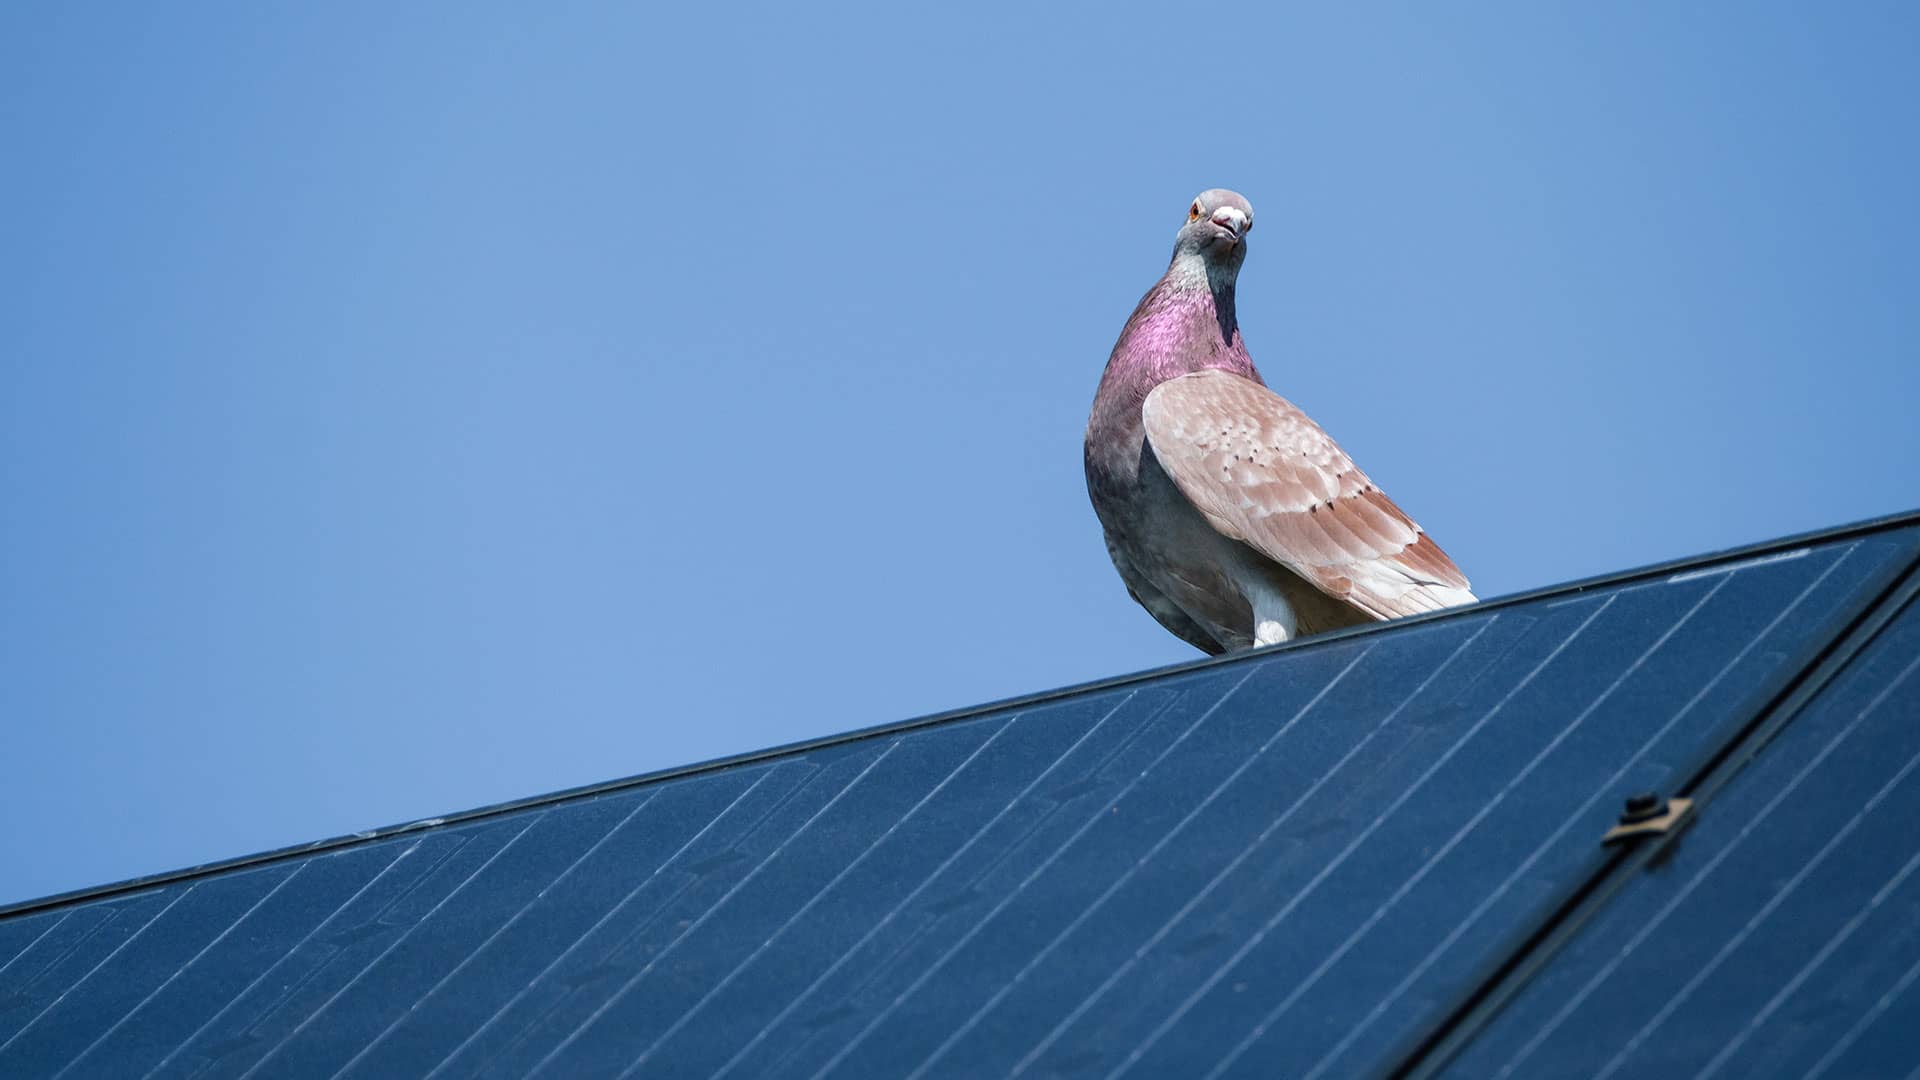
column 1264, row 474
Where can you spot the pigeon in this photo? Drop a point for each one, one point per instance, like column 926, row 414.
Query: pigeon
column 1232, row 517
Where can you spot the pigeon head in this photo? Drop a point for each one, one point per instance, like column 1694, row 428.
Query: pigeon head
column 1212, row 244
column 1218, row 221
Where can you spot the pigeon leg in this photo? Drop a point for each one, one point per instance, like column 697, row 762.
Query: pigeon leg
column 1274, row 620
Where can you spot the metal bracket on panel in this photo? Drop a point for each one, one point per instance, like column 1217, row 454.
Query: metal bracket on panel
column 1649, row 815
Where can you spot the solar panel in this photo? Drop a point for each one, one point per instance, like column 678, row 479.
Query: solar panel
column 1297, row 860
column 1781, row 937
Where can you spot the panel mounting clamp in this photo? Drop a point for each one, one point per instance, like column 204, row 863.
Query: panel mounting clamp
column 1649, row 815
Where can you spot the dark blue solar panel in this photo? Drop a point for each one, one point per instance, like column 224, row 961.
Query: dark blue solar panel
column 1294, row 862
column 1782, row 936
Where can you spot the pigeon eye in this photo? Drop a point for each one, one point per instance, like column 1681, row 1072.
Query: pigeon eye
column 1193, row 212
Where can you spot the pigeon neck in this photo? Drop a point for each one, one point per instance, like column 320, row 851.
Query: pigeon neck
column 1192, row 278
column 1175, row 331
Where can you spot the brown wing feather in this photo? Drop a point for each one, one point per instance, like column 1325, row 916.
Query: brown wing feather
column 1263, row 473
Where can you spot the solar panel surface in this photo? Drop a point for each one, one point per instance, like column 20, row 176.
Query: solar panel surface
column 1781, row 935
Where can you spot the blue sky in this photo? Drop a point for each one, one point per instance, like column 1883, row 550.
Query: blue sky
column 409, row 407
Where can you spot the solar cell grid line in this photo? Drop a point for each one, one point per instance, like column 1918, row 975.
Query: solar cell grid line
column 856, row 932
column 1782, row 893
column 1773, row 903
column 1879, row 586
column 852, row 864
column 1833, row 943
column 88, row 989
column 1407, row 884
column 1647, row 930
column 307, row 1022
column 1867, row 1019
column 1739, row 565
column 175, row 974
column 30, row 938
column 639, row 804
column 1160, row 933
column 76, row 943
column 644, row 920
column 625, row 987
column 884, row 921
column 739, row 799
column 860, row 1036
column 1607, row 788
column 1159, row 1030
column 706, row 880
column 1053, row 827
column 993, row 959
column 1878, row 614
column 530, row 897
column 1856, row 678
column 777, row 882
column 1326, row 1061
column 1037, row 740
column 190, row 1040
column 1114, row 886
column 1046, row 812
column 1353, row 982
column 91, row 972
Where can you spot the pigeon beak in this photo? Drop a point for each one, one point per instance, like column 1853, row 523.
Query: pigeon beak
column 1232, row 220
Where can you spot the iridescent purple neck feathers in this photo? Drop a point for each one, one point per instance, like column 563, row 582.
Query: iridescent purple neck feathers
column 1177, row 329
